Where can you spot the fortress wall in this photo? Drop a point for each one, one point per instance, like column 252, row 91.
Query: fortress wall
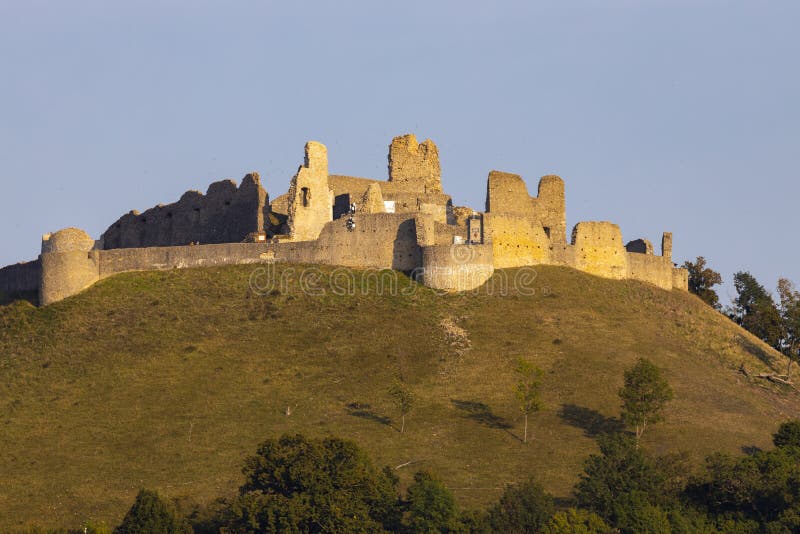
column 20, row 278
column 550, row 208
column 642, row 246
column 310, row 198
column 415, row 165
column 648, row 268
column 226, row 213
column 457, row 267
column 380, row 240
column 69, row 264
column 507, row 193
column 563, row 255
column 162, row 258
column 516, row 240
column 599, row 250
column 680, row 278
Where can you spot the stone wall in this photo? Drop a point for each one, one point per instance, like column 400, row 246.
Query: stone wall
column 20, row 278
column 507, row 193
column 310, row 199
column 457, row 267
column 550, row 208
column 225, row 214
column 415, row 166
column 655, row 270
column 599, row 250
column 516, row 240
column 69, row 264
column 641, row 246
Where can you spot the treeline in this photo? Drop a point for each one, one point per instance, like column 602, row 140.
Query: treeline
column 775, row 321
column 298, row 485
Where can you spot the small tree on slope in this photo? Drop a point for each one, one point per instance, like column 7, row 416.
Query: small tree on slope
column 643, row 396
column 528, row 391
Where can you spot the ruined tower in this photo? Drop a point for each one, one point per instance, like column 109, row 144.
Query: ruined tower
column 415, row 165
column 310, row 198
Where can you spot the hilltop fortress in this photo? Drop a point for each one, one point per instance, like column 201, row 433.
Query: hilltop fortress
column 406, row 223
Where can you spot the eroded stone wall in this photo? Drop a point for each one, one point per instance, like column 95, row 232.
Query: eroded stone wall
column 550, row 208
column 415, row 165
column 20, row 278
column 225, row 214
column 599, row 250
column 70, row 264
column 310, row 198
column 507, row 193
column 457, row 268
column 516, row 240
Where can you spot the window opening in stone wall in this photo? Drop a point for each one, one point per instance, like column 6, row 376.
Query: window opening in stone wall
column 547, row 232
column 306, row 195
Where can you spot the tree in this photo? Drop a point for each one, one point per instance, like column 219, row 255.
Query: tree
column 788, row 434
column 755, row 310
column 521, row 509
column 432, row 507
column 619, row 469
column 295, row 484
column 150, row 514
column 790, row 320
column 403, row 400
column 643, row 396
column 702, row 279
column 528, row 391
column 576, row 521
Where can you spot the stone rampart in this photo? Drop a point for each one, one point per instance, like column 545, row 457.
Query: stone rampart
column 516, row 240
column 599, row 250
column 20, row 278
column 225, row 214
column 456, row 267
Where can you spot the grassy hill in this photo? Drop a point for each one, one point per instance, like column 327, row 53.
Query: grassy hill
column 168, row 380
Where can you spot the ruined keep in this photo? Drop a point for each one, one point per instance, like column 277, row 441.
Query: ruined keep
column 406, row 223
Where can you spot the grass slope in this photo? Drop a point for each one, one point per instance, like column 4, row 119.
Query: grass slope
column 168, row 380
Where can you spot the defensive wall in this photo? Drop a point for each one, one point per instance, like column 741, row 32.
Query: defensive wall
column 405, row 223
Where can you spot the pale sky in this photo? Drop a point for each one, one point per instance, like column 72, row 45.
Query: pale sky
column 659, row 115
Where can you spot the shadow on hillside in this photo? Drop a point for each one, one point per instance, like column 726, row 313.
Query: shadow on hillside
column 750, row 450
column 364, row 411
column 591, row 421
column 755, row 350
column 481, row 413
column 30, row 296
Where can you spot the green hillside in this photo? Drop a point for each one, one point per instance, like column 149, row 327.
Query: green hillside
column 167, row 380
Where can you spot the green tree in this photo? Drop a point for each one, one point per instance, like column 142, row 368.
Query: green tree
column 150, row 514
column 403, row 399
column 521, row 509
column 619, row 469
column 576, row 521
column 788, row 434
column 702, row 279
column 790, row 319
column 528, row 391
column 643, row 396
column 431, row 506
column 295, row 484
column 755, row 310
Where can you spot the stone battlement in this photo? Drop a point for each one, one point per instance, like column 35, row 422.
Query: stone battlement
column 405, row 223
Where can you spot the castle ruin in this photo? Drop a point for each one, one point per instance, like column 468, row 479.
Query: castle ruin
column 406, row 223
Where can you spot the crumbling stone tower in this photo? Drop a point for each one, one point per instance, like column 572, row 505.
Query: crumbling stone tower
column 310, row 198
column 415, row 165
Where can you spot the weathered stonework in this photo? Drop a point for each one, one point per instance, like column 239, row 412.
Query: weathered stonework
column 310, row 199
column 69, row 264
column 415, row 165
column 406, row 223
column 225, row 214
column 599, row 250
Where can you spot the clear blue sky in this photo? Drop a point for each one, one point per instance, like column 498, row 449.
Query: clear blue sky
column 660, row 115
